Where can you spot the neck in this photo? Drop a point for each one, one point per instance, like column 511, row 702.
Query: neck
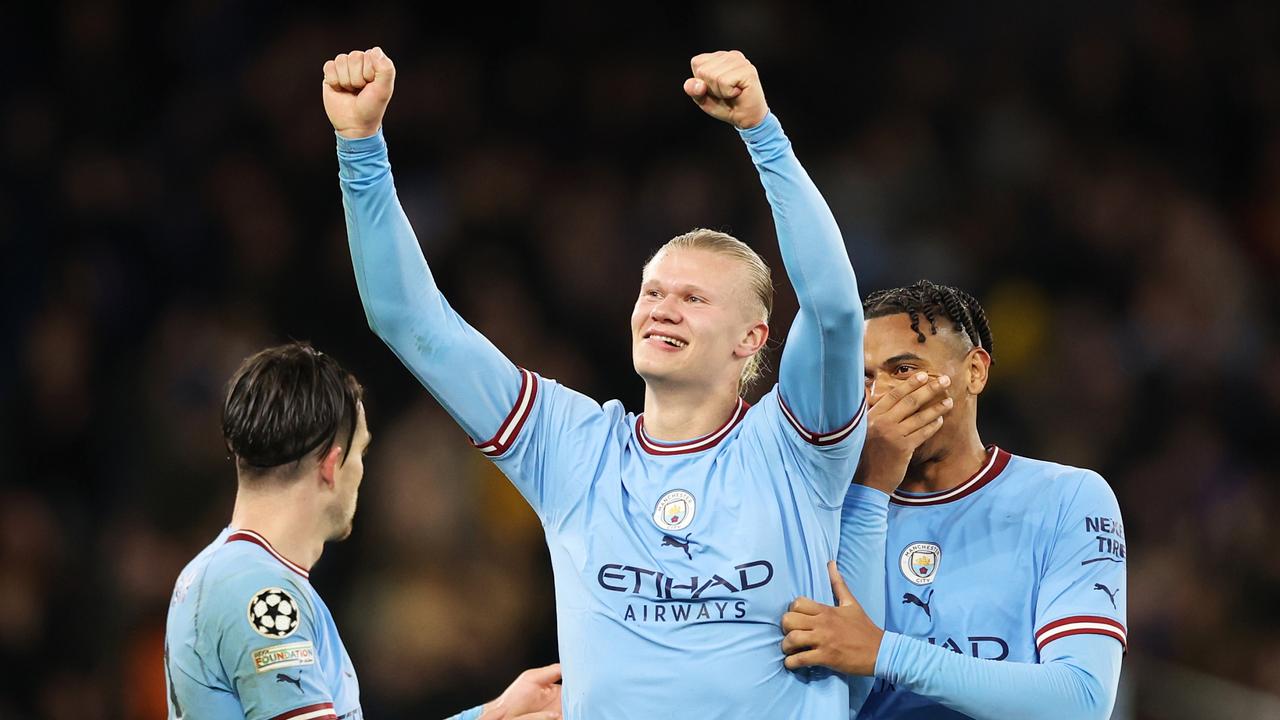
column 674, row 414
column 950, row 465
column 284, row 518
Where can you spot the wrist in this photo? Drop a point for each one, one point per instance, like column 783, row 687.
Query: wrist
column 358, row 133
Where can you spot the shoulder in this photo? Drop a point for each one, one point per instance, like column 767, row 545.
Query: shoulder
column 246, row 592
column 1075, row 492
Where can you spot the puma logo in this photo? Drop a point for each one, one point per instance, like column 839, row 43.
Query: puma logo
column 1110, row 595
column 909, row 599
column 281, row 677
column 668, row 541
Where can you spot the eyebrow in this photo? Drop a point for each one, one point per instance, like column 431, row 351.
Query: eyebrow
column 899, row 358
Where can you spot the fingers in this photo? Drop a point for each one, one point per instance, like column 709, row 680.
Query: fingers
column 808, row 658
column 805, row 606
column 355, row 69
column 343, row 63
column 921, row 390
column 843, row 596
column 798, row 640
column 544, row 715
column 725, row 74
column 931, row 415
column 545, row 675
column 797, row 621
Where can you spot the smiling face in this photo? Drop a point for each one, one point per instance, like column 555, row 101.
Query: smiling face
column 696, row 320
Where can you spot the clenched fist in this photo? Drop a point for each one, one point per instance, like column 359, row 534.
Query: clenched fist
column 726, row 86
column 357, row 87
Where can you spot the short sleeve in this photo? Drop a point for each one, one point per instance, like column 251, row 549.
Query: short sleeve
column 550, row 444
column 1083, row 588
column 267, row 647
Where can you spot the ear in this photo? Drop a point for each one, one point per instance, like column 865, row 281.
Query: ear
column 329, row 465
column 753, row 341
column 977, row 368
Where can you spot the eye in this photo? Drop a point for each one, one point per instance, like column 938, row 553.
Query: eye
column 696, row 299
column 902, row 370
column 652, row 293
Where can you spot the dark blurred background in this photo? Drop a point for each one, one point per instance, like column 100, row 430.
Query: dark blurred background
column 1105, row 177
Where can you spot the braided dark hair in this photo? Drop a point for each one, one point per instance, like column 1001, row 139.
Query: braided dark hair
column 931, row 300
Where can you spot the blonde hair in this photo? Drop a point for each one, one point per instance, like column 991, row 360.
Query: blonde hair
column 758, row 276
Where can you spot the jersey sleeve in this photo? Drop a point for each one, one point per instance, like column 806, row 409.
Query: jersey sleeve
column 820, row 374
column 550, row 444
column 864, row 523
column 1076, row 682
column 1083, row 590
column 825, row 468
column 266, row 644
column 470, row 377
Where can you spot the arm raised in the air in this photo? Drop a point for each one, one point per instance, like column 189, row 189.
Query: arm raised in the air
column 471, row 378
column 821, row 369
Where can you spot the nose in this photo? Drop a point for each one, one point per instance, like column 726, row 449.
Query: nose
column 666, row 310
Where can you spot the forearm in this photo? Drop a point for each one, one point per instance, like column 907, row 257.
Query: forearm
column 864, row 523
column 474, row 382
column 1077, row 683
column 822, row 365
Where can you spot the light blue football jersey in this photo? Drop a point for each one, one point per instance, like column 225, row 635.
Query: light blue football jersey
column 673, row 563
column 1021, row 555
column 676, row 562
column 248, row 637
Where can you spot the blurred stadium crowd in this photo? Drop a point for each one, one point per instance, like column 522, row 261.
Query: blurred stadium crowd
column 1105, row 178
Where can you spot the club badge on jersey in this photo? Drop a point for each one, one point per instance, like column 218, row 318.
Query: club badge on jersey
column 674, row 510
column 920, row 562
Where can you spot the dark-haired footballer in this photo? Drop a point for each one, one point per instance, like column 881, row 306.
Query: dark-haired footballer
column 1005, row 576
column 247, row 636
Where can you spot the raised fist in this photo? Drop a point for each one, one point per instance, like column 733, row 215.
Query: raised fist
column 726, row 86
column 357, row 87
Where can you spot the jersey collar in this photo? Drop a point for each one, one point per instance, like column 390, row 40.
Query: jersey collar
column 653, row 447
column 256, row 539
column 996, row 461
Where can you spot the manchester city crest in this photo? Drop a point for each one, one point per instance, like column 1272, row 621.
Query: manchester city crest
column 920, row 561
column 674, row 510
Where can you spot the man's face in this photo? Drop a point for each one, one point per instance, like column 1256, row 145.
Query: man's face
column 347, row 477
column 694, row 310
column 893, row 353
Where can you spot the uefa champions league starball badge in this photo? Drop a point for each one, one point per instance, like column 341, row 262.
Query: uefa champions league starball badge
column 273, row 613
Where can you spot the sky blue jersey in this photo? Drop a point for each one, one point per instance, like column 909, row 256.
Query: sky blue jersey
column 673, row 562
column 248, row 637
column 1005, row 597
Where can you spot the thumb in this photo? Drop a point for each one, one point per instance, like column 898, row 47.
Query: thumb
column 384, row 70
column 543, row 715
column 545, row 675
column 695, row 88
column 843, row 596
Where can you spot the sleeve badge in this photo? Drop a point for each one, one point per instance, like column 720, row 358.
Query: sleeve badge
column 273, row 613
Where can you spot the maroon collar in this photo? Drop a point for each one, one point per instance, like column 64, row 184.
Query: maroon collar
column 256, row 539
column 654, row 447
column 995, row 465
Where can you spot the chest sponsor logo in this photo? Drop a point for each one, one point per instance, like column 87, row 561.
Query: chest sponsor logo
column 283, row 656
column 674, row 510
column 919, row 562
column 661, row 598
